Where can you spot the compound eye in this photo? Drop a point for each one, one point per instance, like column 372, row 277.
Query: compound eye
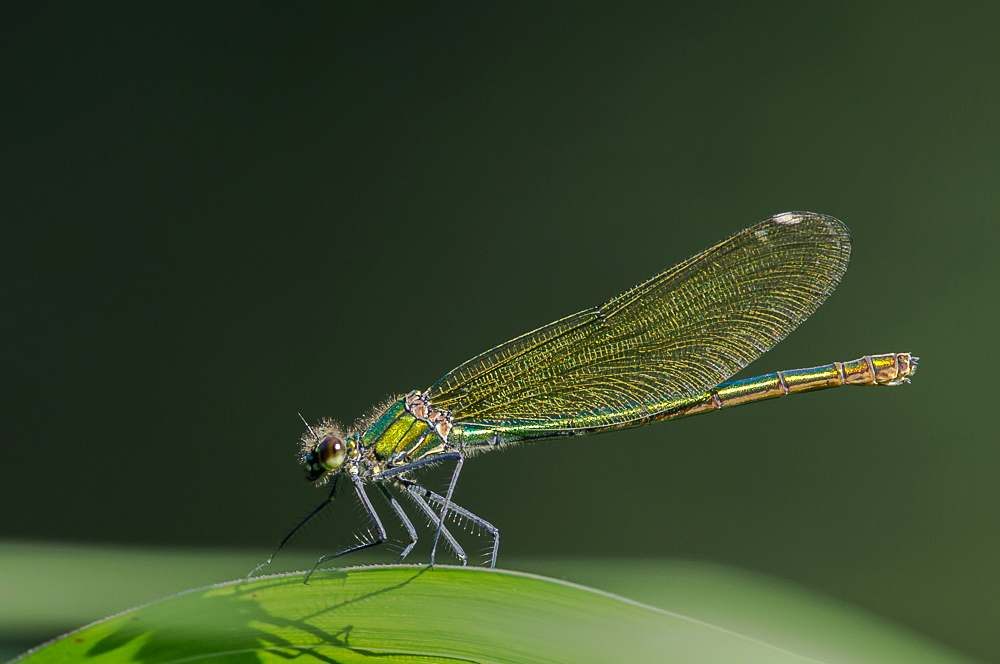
column 331, row 452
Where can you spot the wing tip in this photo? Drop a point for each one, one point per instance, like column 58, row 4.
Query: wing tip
column 817, row 223
column 833, row 225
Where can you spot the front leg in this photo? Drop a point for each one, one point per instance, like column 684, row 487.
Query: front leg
column 380, row 536
column 333, row 494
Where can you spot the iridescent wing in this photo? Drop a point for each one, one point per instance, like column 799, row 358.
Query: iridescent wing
column 673, row 337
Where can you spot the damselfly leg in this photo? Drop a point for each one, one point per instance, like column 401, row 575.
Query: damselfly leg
column 380, row 536
column 329, row 499
column 411, row 531
column 433, row 517
column 449, row 456
column 419, row 493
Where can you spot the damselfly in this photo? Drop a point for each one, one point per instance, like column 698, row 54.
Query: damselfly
column 656, row 352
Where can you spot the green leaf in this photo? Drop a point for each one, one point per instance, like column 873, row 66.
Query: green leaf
column 403, row 614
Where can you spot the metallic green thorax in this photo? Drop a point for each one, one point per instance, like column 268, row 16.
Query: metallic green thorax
column 409, row 430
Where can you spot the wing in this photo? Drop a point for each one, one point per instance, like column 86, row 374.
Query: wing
column 669, row 339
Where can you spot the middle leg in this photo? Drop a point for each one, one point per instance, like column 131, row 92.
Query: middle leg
column 447, row 456
column 402, row 517
column 417, row 498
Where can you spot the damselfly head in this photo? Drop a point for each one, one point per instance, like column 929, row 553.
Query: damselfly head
column 324, row 450
column 327, row 455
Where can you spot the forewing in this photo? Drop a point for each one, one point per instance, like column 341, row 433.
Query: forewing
column 668, row 339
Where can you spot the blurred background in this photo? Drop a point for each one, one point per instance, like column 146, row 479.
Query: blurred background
column 216, row 217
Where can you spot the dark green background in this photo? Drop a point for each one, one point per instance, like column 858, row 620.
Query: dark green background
column 214, row 218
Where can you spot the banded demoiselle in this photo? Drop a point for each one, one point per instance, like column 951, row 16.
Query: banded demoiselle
column 659, row 351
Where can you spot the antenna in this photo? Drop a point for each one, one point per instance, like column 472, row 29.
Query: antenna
column 309, row 427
